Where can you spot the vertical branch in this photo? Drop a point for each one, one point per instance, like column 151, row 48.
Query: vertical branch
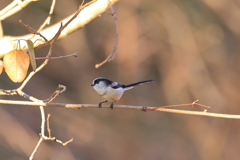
column 41, row 135
column 48, row 127
column 43, row 121
column 36, row 148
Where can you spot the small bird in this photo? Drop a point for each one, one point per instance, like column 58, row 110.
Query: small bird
column 112, row 91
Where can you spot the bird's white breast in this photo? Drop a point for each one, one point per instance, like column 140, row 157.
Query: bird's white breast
column 113, row 94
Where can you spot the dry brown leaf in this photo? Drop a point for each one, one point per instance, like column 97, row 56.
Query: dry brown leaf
column 16, row 63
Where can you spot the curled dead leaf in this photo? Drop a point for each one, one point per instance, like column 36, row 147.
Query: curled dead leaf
column 16, row 63
column 31, row 54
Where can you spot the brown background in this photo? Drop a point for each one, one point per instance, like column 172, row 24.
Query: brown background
column 191, row 50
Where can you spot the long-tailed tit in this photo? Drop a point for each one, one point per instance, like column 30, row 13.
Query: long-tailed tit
column 112, row 91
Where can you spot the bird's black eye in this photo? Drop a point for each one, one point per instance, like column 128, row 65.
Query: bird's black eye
column 96, row 82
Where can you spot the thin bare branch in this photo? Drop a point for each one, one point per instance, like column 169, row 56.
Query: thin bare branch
column 75, row 15
column 42, row 125
column 114, row 52
column 59, row 57
column 177, row 105
column 49, row 138
column 43, row 122
column 36, row 148
column 78, row 106
column 21, row 93
column 42, row 134
column 48, row 19
column 64, row 144
column 60, row 89
column 33, row 31
column 48, row 126
column 8, row 92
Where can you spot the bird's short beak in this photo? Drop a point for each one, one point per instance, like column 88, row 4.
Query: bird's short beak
column 92, row 85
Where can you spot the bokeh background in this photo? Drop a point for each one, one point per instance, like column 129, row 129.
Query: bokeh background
column 191, row 50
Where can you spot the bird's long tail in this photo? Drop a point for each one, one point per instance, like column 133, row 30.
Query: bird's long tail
column 138, row 83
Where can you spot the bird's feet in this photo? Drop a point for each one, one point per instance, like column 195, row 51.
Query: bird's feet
column 100, row 104
column 111, row 106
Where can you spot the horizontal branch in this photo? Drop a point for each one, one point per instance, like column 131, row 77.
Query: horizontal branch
column 59, row 57
column 141, row 108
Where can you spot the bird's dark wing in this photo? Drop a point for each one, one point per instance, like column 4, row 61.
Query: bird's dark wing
column 137, row 83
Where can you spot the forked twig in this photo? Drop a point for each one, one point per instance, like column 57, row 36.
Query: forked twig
column 177, row 105
column 65, row 143
column 33, row 31
column 60, row 89
column 42, row 134
column 49, row 138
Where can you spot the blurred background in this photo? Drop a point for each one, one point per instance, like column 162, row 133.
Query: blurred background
column 191, row 50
